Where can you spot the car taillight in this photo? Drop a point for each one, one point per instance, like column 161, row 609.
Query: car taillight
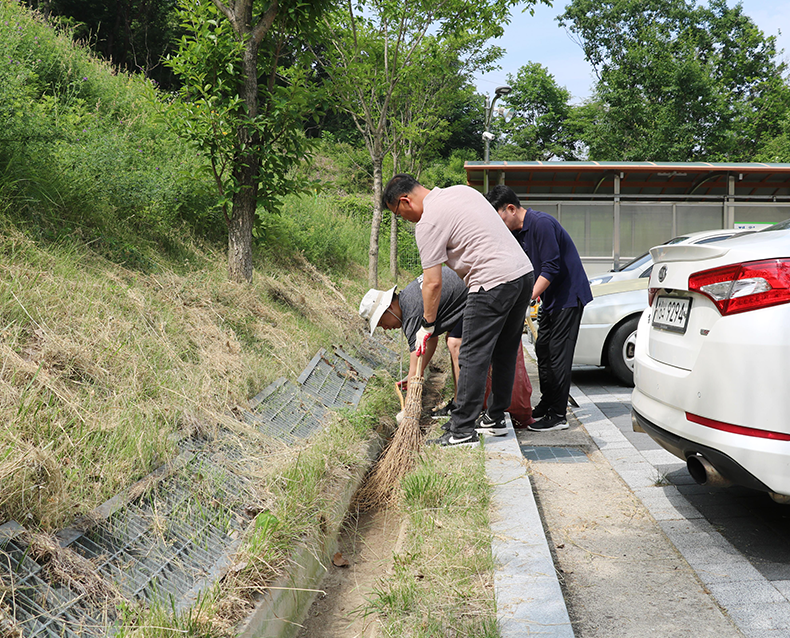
column 651, row 294
column 742, row 287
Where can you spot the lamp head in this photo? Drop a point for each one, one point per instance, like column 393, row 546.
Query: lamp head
column 502, row 90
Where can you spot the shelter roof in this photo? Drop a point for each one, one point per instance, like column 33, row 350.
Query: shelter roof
column 653, row 180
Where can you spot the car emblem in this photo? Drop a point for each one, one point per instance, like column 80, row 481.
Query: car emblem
column 662, row 273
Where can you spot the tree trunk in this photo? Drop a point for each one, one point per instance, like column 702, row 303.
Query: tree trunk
column 394, row 249
column 375, row 226
column 245, row 170
column 240, row 239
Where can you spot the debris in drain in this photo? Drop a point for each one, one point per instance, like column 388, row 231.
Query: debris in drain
column 338, row 560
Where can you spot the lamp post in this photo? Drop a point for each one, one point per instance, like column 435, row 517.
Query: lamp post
column 487, row 134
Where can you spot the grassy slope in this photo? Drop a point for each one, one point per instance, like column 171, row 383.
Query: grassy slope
column 102, row 364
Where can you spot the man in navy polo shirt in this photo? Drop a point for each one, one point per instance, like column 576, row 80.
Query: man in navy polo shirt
column 562, row 285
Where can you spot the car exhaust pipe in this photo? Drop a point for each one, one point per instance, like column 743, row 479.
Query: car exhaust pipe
column 782, row 499
column 703, row 472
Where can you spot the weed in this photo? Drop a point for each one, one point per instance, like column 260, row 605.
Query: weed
column 442, row 579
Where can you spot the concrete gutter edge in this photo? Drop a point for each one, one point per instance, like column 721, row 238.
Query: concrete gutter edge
column 287, row 601
column 528, row 594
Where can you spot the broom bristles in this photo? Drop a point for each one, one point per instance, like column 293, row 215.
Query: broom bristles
column 399, row 456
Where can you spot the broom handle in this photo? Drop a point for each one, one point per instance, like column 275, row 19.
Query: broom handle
column 400, row 396
column 397, row 387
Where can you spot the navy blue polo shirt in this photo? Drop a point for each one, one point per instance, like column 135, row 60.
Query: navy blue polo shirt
column 554, row 256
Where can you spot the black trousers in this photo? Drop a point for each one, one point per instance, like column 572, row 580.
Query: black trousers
column 557, row 334
column 493, row 324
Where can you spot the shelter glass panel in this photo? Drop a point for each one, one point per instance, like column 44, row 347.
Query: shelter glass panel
column 550, row 208
column 591, row 226
column 643, row 226
column 694, row 217
column 761, row 213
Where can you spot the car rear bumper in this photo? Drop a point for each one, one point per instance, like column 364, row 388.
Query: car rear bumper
column 684, row 448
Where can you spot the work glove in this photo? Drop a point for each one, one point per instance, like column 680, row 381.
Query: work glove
column 423, row 334
column 399, row 417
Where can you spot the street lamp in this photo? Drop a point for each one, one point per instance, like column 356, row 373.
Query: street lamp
column 487, row 134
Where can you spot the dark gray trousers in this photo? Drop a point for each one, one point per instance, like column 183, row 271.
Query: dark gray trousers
column 493, row 324
column 557, row 334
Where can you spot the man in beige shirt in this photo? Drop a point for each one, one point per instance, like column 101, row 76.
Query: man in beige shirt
column 458, row 226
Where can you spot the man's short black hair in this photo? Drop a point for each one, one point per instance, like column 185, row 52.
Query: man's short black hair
column 400, row 185
column 501, row 195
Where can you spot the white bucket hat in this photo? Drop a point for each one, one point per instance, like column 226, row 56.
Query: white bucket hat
column 374, row 304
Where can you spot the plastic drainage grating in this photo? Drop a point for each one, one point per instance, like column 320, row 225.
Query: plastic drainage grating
column 170, row 544
column 554, row 454
column 160, row 548
column 38, row 606
column 334, row 380
column 176, row 537
column 378, row 355
column 285, row 412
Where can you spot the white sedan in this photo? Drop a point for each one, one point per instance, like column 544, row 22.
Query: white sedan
column 607, row 333
column 712, row 360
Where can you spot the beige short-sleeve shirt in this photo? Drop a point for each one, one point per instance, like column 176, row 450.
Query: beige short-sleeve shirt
column 459, row 227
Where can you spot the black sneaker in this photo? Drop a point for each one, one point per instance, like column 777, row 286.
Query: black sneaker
column 549, row 422
column 444, row 411
column 488, row 426
column 448, row 438
column 539, row 411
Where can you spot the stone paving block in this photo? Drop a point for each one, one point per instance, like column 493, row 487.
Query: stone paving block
column 731, row 571
column 691, row 526
column 528, row 594
column 711, row 555
column 636, row 478
column 765, row 616
column 745, row 593
column 783, row 587
column 537, row 612
column 661, row 457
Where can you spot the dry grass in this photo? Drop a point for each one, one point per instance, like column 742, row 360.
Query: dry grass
column 102, row 366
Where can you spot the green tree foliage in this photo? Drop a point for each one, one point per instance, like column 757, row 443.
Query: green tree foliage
column 134, row 35
column 539, row 129
column 244, row 99
column 678, row 82
column 374, row 59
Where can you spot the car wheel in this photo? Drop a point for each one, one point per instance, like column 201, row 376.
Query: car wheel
column 621, row 351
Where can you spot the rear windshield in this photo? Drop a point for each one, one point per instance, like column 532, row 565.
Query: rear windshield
column 780, row 226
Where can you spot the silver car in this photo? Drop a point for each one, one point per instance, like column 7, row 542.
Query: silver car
column 643, row 265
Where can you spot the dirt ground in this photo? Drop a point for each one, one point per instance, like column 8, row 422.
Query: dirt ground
column 621, row 576
column 367, row 543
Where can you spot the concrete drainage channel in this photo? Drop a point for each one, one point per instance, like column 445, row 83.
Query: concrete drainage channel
column 206, row 506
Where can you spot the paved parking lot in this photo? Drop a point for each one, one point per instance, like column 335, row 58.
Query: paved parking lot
column 737, row 540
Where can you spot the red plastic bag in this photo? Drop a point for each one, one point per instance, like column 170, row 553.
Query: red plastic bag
column 520, row 405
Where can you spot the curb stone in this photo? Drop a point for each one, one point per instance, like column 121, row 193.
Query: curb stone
column 528, row 594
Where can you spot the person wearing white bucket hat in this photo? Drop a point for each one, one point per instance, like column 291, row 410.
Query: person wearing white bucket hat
column 390, row 310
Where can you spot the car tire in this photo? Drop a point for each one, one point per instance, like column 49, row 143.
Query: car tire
column 620, row 351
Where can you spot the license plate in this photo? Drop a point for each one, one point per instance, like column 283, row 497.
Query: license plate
column 672, row 313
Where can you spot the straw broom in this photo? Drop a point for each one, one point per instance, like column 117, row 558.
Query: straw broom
column 399, row 456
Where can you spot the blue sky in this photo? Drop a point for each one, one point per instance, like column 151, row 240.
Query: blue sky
column 540, row 39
